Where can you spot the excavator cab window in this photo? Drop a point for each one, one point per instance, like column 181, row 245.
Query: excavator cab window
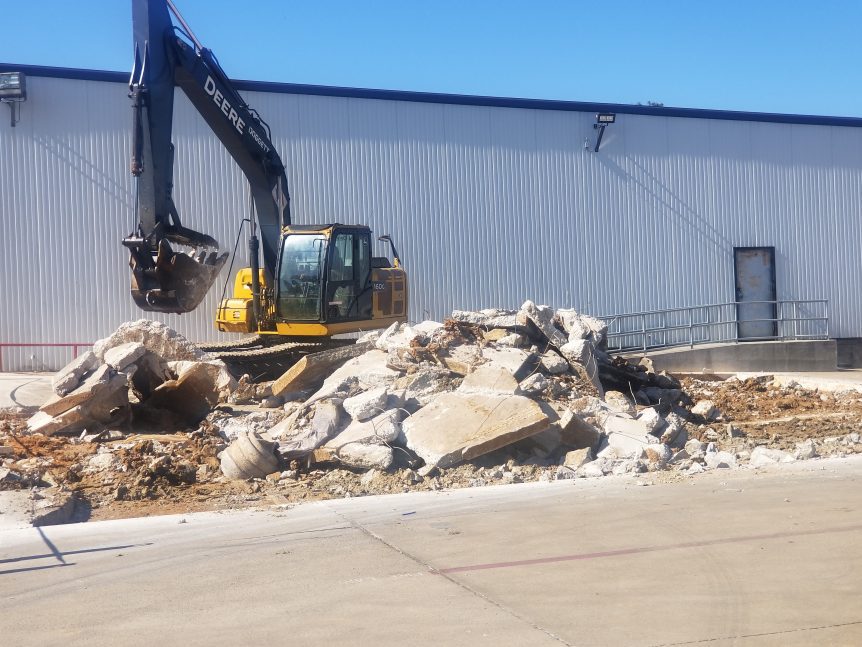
column 348, row 287
column 302, row 259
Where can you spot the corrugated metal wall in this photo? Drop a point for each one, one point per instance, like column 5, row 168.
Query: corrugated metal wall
column 488, row 205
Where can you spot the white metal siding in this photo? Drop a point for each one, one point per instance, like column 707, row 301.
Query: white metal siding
column 488, row 206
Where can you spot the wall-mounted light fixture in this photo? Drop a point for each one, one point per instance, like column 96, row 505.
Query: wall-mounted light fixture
column 13, row 90
column 602, row 120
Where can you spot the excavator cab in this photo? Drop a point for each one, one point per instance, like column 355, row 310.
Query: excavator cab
column 328, row 283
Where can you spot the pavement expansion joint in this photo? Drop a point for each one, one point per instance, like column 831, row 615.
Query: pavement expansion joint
column 462, row 585
column 701, row 641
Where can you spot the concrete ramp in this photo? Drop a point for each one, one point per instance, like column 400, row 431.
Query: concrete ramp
column 769, row 356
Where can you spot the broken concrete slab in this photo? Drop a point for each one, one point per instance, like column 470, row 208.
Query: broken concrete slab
column 367, row 404
column 310, row 371
column 488, row 318
column 761, row 456
column 581, row 353
column 298, row 437
column 580, row 326
column 651, row 419
column 520, row 363
column 223, row 381
column 91, row 388
column 365, row 456
column 512, row 340
column 69, row 377
column 542, row 317
column 43, row 423
column 382, row 342
column 576, row 432
column 119, row 357
column 230, row 425
column 155, row 336
column 657, row 455
column 620, row 403
column 533, row 385
column 384, row 428
column 719, row 460
column 675, row 433
column 622, row 424
column 495, row 334
column 578, row 457
column 460, row 426
column 490, row 379
column 707, row 410
column 553, row 363
column 368, row 370
column 461, row 359
column 424, row 385
column 192, row 395
column 621, row 445
column 805, row 450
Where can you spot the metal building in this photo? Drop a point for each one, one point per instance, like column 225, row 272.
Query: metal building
column 490, row 201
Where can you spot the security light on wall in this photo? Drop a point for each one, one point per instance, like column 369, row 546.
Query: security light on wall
column 602, row 120
column 13, row 90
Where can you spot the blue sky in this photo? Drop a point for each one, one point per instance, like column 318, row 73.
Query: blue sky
column 769, row 56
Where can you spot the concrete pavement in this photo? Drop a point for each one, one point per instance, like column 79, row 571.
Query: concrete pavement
column 729, row 558
column 24, row 389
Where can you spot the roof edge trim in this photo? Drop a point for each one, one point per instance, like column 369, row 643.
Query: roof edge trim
column 460, row 99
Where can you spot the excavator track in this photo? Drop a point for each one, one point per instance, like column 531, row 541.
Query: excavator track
column 216, row 347
column 264, row 360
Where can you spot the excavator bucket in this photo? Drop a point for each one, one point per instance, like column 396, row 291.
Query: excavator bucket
column 177, row 281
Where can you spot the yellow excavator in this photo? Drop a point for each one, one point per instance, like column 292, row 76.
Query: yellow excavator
column 315, row 281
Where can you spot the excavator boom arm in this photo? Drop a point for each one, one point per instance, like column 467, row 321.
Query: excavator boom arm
column 164, row 59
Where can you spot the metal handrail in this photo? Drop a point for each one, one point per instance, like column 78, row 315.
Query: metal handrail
column 632, row 331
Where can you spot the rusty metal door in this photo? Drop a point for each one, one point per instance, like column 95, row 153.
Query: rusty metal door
column 756, row 308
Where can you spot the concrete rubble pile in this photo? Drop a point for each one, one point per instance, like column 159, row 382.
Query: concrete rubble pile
column 433, row 395
column 144, row 373
column 494, row 396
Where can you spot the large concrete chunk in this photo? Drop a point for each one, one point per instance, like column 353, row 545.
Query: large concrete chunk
column 425, row 384
column 456, row 426
column 542, row 317
column 553, row 363
column 162, row 340
column 91, row 388
column 461, row 359
column 43, row 423
column 491, row 318
column 364, row 456
column 577, row 432
column 384, row 428
column 193, row 394
column 70, row 376
column 301, row 439
column 368, row 404
column 579, row 326
column 369, row 370
column 761, row 456
column 581, row 352
column 309, row 372
column 520, row 363
column 620, row 403
column 121, row 356
column 489, row 379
